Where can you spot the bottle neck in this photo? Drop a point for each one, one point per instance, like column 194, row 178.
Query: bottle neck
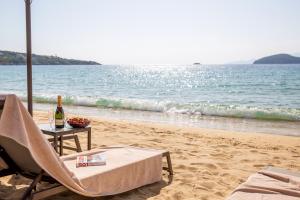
column 59, row 102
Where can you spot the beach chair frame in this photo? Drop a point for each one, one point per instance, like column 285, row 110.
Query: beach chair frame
column 33, row 193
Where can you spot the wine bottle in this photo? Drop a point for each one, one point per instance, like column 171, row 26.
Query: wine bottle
column 59, row 114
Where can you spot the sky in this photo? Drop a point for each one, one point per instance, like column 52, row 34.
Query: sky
column 154, row 31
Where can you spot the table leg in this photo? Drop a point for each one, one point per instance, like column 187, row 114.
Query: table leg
column 78, row 147
column 89, row 144
column 61, row 145
column 55, row 143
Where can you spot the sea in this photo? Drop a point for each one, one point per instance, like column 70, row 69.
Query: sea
column 247, row 98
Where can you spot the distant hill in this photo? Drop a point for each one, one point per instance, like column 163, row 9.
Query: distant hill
column 15, row 58
column 278, row 59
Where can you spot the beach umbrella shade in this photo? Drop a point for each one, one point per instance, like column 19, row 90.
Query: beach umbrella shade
column 28, row 54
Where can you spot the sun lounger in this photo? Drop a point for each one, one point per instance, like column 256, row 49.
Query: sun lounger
column 269, row 184
column 3, row 165
column 2, row 100
column 25, row 150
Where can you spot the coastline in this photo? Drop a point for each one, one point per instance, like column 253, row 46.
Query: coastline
column 208, row 122
column 208, row 163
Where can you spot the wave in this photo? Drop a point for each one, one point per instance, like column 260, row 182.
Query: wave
column 168, row 107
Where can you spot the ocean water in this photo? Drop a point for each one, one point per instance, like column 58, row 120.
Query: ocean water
column 263, row 92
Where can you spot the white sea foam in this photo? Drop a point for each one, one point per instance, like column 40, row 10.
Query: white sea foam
column 193, row 109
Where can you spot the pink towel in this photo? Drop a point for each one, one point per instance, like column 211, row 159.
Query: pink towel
column 268, row 185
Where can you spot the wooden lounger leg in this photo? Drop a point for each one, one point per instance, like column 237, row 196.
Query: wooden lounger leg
column 33, row 194
column 28, row 193
column 169, row 168
column 169, row 164
column 48, row 192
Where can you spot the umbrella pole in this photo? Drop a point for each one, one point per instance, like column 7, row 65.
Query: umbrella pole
column 29, row 56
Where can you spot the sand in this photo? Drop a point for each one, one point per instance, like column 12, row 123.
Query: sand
column 208, row 163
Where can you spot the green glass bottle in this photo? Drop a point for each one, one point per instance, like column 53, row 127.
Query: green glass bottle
column 59, row 114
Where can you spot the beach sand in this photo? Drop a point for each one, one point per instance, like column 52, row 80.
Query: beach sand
column 208, row 163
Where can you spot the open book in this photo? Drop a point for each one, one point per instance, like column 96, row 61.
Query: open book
column 91, row 160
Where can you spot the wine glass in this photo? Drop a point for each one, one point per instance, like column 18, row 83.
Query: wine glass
column 65, row 119
column 51, row 117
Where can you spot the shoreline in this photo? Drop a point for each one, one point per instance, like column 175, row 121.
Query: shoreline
column 244, row 125
column 193, row 130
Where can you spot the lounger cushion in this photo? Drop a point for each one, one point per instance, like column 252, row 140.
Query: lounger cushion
column 267, row 185
column 125, row 169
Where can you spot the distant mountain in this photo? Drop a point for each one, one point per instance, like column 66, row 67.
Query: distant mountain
column 15, row 58
column 278, row 59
